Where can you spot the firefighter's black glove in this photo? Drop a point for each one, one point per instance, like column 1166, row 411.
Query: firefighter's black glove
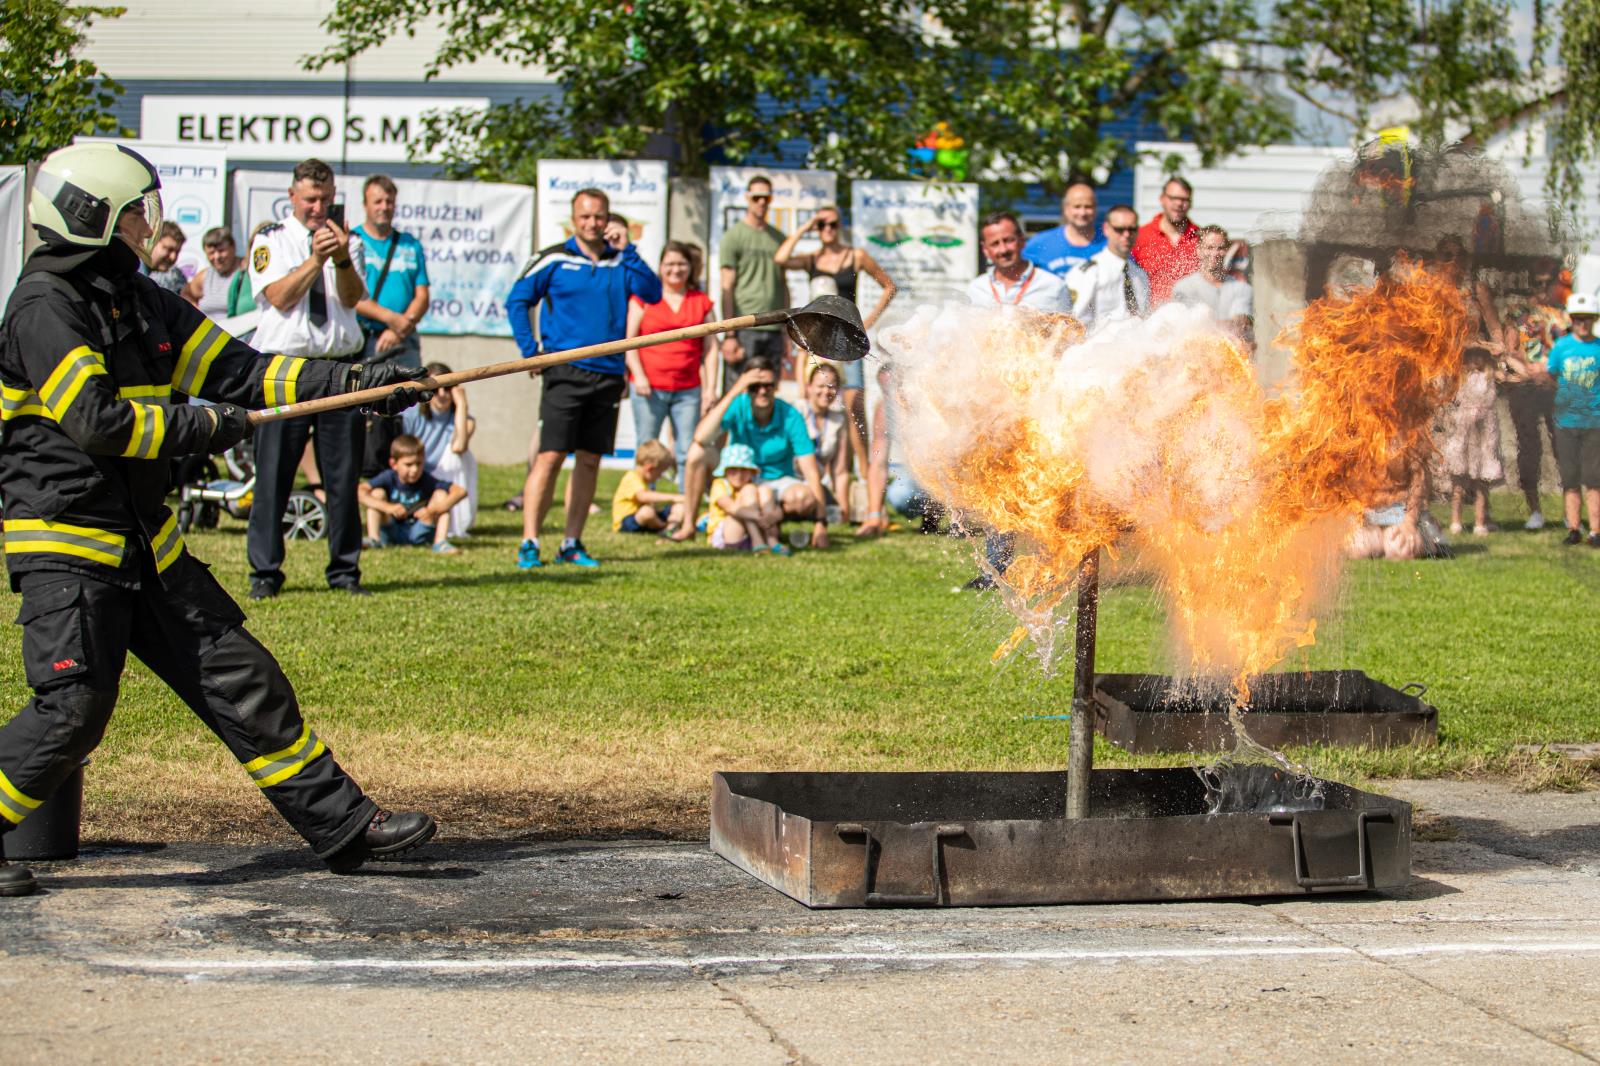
column 378, row 375
column 233, row 426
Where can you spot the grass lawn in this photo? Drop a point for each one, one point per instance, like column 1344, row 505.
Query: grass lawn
column 567, row 701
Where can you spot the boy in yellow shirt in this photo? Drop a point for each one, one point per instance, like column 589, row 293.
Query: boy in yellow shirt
column 638, row 507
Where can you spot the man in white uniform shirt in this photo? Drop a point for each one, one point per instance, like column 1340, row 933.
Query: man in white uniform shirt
column 1012, row 281
column 1111, row 286
column 1230, row 301
column 306, row 273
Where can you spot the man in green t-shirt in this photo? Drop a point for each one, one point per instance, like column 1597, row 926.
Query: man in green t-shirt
column 752, row 281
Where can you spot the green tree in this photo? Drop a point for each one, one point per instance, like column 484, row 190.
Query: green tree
column 48, row 95
column 1574, row 137
column 1447, row 68
column 1036, row 88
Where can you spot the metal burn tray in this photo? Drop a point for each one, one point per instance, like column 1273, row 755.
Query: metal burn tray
column 1154, row 713
column 984, row 839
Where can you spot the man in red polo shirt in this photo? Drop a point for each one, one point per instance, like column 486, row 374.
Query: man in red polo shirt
column 1168, row 245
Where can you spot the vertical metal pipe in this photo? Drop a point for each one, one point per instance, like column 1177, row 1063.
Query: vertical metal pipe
column 1080, row 747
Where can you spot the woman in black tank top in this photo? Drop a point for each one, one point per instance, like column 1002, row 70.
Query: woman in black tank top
column 842, row 266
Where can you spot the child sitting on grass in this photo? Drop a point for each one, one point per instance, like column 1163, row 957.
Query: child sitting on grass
column 445, row 429
column 637, row 507
column 406, row 505
column 744, row 516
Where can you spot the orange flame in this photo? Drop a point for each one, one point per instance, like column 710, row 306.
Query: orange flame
column 1238, row 501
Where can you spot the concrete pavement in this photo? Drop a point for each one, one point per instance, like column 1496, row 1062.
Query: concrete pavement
column 501, row 952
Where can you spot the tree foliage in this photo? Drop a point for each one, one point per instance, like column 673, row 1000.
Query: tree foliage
column 1447, row 68
column 1038, row 89
column 1574, row 137
column 48, row 95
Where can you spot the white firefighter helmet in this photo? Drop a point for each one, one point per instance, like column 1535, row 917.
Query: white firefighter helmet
column 80, row 192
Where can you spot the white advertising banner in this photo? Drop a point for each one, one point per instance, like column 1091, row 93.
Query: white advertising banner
column 194, row 190
column 477, row 236
column 13, row 217
column 924, row 235
column 637, row 190
column 365, row 129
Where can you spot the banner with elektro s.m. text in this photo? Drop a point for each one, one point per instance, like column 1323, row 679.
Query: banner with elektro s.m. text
column 476, row 235
column 637, row 190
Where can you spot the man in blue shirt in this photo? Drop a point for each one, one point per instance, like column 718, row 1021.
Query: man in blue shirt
column 397, row 299
column 1573, row 367
column 581, row 290
column 1076, row 240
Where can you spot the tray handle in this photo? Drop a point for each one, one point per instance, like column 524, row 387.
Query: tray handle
column 893, row 899
column 1362, row 878
column 1421, row 689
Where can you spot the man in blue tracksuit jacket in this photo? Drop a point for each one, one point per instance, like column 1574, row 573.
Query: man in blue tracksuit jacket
column 581, row 289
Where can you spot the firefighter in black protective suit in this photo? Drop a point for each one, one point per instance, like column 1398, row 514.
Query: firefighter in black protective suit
column 97, row 365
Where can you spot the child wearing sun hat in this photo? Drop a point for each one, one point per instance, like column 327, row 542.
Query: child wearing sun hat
column 745, row 516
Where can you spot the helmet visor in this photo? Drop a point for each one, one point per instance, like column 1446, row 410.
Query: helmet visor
column 150, row 203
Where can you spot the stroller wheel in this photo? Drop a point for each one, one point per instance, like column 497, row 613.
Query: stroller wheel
column 304, row 518
column 209, row 516
column 185, row 517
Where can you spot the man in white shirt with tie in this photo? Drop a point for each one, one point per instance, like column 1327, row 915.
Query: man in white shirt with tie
column 1111, row 286
column 1012, row 281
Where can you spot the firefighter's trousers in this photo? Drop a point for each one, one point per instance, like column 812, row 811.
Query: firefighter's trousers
column 77, row 633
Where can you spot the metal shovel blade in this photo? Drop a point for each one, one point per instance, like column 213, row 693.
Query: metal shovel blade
column 829, row 327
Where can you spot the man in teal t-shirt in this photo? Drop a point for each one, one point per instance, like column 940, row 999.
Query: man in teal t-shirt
column 391, row 311
column 751, row 414
column 395, row 302
column 1573, row 367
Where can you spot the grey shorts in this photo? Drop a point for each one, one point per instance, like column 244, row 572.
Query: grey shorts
column 1578, row 458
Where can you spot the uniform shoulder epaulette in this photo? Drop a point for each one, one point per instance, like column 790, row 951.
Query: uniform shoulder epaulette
column 271, row 227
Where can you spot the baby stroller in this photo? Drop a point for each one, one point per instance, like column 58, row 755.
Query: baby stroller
column 204, row 494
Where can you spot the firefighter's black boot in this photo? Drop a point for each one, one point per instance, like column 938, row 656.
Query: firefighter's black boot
column 15, row 880
column 387, row 836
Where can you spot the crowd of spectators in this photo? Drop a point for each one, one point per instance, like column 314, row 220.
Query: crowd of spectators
column 707, row 411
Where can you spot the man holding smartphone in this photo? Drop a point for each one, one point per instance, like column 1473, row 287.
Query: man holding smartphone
column 309, row 269
column 581, row 290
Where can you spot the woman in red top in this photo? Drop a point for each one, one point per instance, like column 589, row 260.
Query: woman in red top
column 672, row 380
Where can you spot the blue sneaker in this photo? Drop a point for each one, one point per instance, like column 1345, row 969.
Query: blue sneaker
column 528, row 555
column 574, row 553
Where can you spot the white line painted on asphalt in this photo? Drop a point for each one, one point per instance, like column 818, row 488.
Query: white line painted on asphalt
column 715, row 962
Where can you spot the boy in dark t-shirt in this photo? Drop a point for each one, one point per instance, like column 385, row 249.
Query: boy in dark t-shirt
column 406, row 505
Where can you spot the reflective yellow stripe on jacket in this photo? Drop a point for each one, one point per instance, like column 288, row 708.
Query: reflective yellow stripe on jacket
column 194, row 361
column 14, row 805
column 61, row 538
column 168, row 543
column 149, row 430
column 278, row 767
column 69, row 378
column 278, row 383
column 20, row 403
column 145, row 392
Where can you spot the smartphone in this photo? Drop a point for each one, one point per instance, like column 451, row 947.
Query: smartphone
column 336, row 215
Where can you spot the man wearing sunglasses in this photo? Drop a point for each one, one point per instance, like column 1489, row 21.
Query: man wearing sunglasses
column 1111, row 287
column 752, row 280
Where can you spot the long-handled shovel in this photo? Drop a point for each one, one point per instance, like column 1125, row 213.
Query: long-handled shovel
column 828, row 327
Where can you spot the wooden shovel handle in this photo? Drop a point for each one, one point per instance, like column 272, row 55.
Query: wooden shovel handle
column 515, row 366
